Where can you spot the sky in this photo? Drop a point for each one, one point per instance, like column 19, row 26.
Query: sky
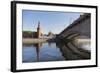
column 50, row 21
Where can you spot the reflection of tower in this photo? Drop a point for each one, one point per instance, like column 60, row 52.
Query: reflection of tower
column 39, row 34
column 49, row 43
column 38, row 46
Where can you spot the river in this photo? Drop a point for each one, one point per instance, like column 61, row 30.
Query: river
column 51, row 51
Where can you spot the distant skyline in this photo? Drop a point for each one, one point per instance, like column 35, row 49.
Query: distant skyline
column 49, row 21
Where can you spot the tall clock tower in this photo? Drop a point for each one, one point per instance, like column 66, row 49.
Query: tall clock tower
column 39, row 34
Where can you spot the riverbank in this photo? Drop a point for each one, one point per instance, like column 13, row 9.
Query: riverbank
column 34, row 40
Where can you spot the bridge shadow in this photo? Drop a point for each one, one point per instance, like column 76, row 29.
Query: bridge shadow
column 71, row 51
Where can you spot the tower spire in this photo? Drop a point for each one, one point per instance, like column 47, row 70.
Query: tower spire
column 38, row 24
column 38, row 30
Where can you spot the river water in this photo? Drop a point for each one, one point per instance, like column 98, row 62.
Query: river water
column 50, row 51
column 41, row 52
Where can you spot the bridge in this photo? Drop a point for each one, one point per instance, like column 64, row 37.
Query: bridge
column 75, row 36
column 80, row 27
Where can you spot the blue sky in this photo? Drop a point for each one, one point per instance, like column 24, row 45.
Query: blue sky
column 49, row 21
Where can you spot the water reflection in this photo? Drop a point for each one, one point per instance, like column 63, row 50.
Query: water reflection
column 37, row 46
column 40, row 52
column 72, row 52
column 53, row 51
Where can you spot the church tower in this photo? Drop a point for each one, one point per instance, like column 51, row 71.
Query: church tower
column 39, row 34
